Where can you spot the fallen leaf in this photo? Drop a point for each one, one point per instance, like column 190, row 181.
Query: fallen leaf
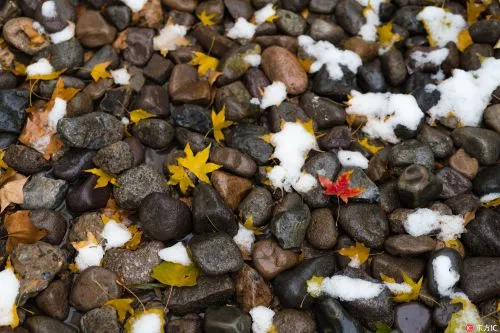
column 140, row 114
column 274, row 17
column 464, row 40
column 213, row 76
column 468, row 315
column 204, row 63
column 359, row 252
column 405, row 297
column 250, row 226
column 305, row 13
column 178, row 176
column 91, row 240
column 105, row 218
column 3, row 165
column 219, row 122
column 104, row 178
column 382, row 328
column 19, row 69
column 176, row 275
column 272, row 329
column 11, row 190
column 340, row 187
column 386, row 37
column 134, row 242
column 497, row 45
column 122, row 307
column 491, row 203
column 206, row 20
column 306, row 63
column 314, row 285
column 308, row 125
column 197, row 164
column 455, row 244
column 20, row 230
column 474, row 10
column 99, row 71
column 371, row 148
column 46, row 77
column 132, row 319
column 469, row 216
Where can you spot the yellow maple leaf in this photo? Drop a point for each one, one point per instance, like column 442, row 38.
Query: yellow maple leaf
column 91, row 240
column 206, row 19
column 405, row 297
column 99, row 71
column 134, row 242
column 468, row 315
column 305, row 13
column 274, row 17
column 104, row 178
column 3, row 165
column 219, row 122
column 359, row 252
column 105, row 218
column 464, row 40
column 385, row 35
column 204, row 63
column 474, row 10
column 314, row 285
column 122, row 307
column 250, row 226
column 61, row 92
column 176, row 275
column 140, row 114
column 46, row 77
column 129, row 325
column 371, row 148
column 491, row 203
column 178, row 176
column 308, row 125
column 197, row 164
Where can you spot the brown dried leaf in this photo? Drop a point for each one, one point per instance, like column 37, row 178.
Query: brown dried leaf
column 12, row 189
column 21, row 230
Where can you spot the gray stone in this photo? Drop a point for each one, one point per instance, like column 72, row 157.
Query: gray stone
column 454, row 183
column 12, row 104
column 25, row 159
column 289, row 225
column 114, row 158
column 53, row 222
column 480, row 279
column 154, row 133
column 227, row 319
column 411, row 152
column 441, row 144
column 327, row 165
column 323, row 111
column 483, row 234
column 101, row 320
column 290, row 23
column 44, row 192
column 42, row 324
column 258, row 204
column 480, row 143
column 417, row 186
column 365, row 223
column 246, row 138
column 332, row 317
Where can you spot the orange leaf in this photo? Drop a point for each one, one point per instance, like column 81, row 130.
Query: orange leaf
column 340, row 187
column 464, row 40
column 474, row 10
column 359, row 252
column 306, row 63
column 99, row 71
column 64, row 93
column 11, row 190
column 21, row 230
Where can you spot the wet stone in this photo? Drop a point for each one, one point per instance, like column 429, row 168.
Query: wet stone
column 365, row 223
column 227, row 319
column 417, row 186
column 331, row 315
column 83, row 196
column 53, row 301
column 394, row 266
column 480, row 280
column 42, row 324
column 44, row 192
column 234, row 161
column 52, row 221
column 114, row 158
column 483, row 236
column 409, row 246
column 413, row 317
column 292, row 320
column 25, row 159
column 103, row 319
column 483, row 144
column 154, row 133
column 290, row 225
column 270, row 259
column 251, row 289
column 116, row 101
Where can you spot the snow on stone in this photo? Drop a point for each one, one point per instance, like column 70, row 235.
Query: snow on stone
column 352, row 159
column 490, row 197
column 41, row 143
column 444, row 275
column 120, row 76
column 167, row 37
column 244, row 238
column 242, row 29
column 65, row 34
column 147, row 323
column 465, row 95
column 292, row 144
column 49, row 9
column 135, row 5
column 39, row 28
column 368, row 30
column 424, row 221
column 89, row 255
column 435, row 57
column 116, row 234
column 398, row 288
column 264, row 13
column 441, row 25
column 41, row 67
column 350, row 289
column 262, row 319
column 252, row 59
column 327, row 54
column 305, row 183
column 10, row 289
column 256, row 101
column 384, row 112
column 57, row 113
column 274, row 94
column 176, row 253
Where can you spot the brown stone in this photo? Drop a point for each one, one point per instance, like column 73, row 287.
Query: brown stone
column 92, row 30
column 54, row 299
column 182, row 5
column 394, row 266
column 270, row 259
column 288, row 42
column 296, row 321
column 251, row 289
column 367, row 51
column 232, row 189
column 409, row 246
column 198, row 93
column 279, row 64
column 464, row 163
column 322, row 232
column 182, row 75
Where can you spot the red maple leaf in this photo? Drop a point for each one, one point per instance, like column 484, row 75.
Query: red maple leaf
column 340, row 187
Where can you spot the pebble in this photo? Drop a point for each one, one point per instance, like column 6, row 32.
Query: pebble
column 82, row 196
column 485, row 31
column 87, row 222
column 193, row 117
column 235, row 98
column 338, row 137
column 53, row 300
column 290, row 221
column 134, row 267
column 367, row 51
column 210, row 291
column 472, row 55
column 290, row 23
column 53, row 222
column 36, row 265
column 483, row 144
column 270, row 259
column 323, row 84
column 412, row 317
column 456, row 265
column 79, row 105
column 139, row 43
column 290, row 286
column 158, row 69
column 92, row 131
column 210, row 39
column 232, row 189
column 480, row 279
column 323, row 29
column 44, row 192
column 487, row 180
column 114, row 158
column 43, row 324
column 371, row 78
column 292, row 320
column 12, row 103
column 417, row 186
column 153, row 99
column 190, row 323
column 92, row 30
column 394, row 266
column 365, row 223
column 182, row 5
column 103, row 319
column 288, row 112
column 454, row 183
column 116, row 101
column 464, row 163
column 328, row 165
column 246, row 138
column 349, row 16
column 234, row 161
column 440, row 143
column 251, row 289
column 233, row 65
column 154, row 133
column 119, row 16
column 227, row 319
column 279, row 64
column 331, row 317
column 105, row 54
column 411, row 152
column 464, row 203
column 137, row 183
column 323, row 111
column 409, row 246
column 215, row 253
column 322, row 231
column 93, row 287
column 491, row 117
column 14, row 34
column 441, row 314
column 164, row 218
column 359, row 179
column 483, row 236
column 389, row 197
column 64, row 55
column 25, row 159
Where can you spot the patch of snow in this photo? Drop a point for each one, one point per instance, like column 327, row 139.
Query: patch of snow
column 165, row 41
column 264, row 13
column 385, row 112
column 125, row 121
column 10, row 289
column 252, row 59
column 274, row 94
column 305, row 183
column 57, row 113
column 327, row 54
column 89, row 255
column 439, row 76
column 176, row 253
column 147, row 323
column 371, row 11
column 41, row 67
column 49, row 9
column 244, row 238
column 41, row 143
column 466, row 94
column 398, row 288
column 256, row 101
column 120, row 76
column 65, row 34
column 441, row 25
column 444, row 275
column 135, row 5
column 39, row 28
column 490, row 197
column 424, row 221
column 350, row 289
column 352, row 159
column 116, row 234
column 242, row 29
column 262, row 319
column 435, row 57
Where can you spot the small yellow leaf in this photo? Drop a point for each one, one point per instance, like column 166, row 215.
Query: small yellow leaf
column 61, row 92
column 250, row 226
column 91, row 240
column 305, row 13
column 134, row 242
column 359, row 252
column 371, row 148
column 131, row 321
column 272, row 18
column 104, row 178
column 176, row 275
column 204, row 63
column 15, row 317
column 455, row 244
column 405, row 297
column 314, row 285
column 272, row 329
column 19, row 69
column 385, row 35
column 122, row 307
column 99, row 71
column 3, row 165
column 206, row 19
column 267, row 137
column 306, row 63
column 178, row 176
column 140, row 114
column 492, row 203
column 46, row 77
column 464, row 40
column 197, row 164
column 73, row 268
column 219, row 122
column 474, row 10
column 105, row 219
column 308, row 125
